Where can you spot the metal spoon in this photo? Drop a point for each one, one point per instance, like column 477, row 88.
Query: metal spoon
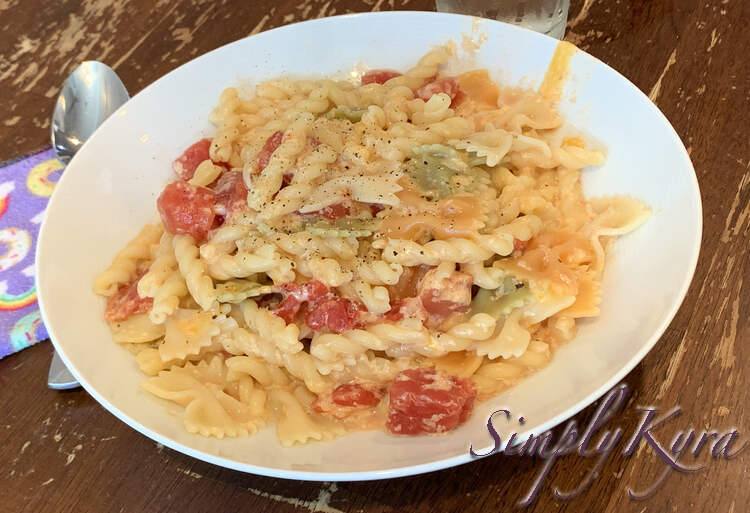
column 90, row 94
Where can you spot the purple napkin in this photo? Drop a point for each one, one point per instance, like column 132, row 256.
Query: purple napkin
column 25, row 187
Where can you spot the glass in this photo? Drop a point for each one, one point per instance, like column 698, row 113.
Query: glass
column 546, row 16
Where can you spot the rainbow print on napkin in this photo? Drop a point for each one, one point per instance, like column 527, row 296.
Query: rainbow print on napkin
column 25, row 187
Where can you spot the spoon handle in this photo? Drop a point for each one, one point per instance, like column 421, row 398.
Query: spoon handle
column 59, row 377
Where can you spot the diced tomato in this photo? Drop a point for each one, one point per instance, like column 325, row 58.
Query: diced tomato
column 126, row 302
column 271, row 145
column 287, row 309
column 428, row 401
column 348, row 399
column 375, row 208
column 442, row 296
column 332, row 212
column 395, row 313
column 408, row 307
column 295, row 295
column 310, row 291
column 519, row 245
column 186, row 164
column 325, row 310
column 448, row 85
column 231, row 193
column 338, row 314
column 353, row 394
column 379, row 76
column 187, row 209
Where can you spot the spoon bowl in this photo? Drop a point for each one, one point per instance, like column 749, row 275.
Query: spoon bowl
column 89, row 96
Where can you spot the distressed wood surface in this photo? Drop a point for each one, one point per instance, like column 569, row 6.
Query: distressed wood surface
column 62, row 452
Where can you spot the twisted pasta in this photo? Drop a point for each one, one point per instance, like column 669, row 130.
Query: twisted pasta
column 375, row 299
column 243, row 264
column 426, row 68
column 301, row 365
column 410, row 253
column 160, row 269
column 326, row 270
column 436, row 109
column 167, row 297
column 271, row 327
column 307, row 244
column 270, row 179
column 484, row 277
column 198, row 282
column 125, row 264
column 403, row 339
column 205, row 173
column 379, row 272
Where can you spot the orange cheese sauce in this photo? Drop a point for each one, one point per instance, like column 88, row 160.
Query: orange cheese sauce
column 477, row 93
column 417, row 217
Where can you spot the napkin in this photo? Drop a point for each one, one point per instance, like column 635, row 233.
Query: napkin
column 25, row 187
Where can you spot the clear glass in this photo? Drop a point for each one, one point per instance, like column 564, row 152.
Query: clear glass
column 546, row 16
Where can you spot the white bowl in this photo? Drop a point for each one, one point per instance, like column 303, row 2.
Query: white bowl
column 109, row 191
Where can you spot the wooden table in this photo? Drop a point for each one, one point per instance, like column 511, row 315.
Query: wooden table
column 62, row 452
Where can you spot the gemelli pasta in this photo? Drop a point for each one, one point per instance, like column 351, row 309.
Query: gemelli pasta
column 371, row 255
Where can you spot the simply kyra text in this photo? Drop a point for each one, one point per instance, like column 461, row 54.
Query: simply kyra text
column 572, row 440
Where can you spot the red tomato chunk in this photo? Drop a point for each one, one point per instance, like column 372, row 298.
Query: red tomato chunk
column 310, row 291
column 448, row 85
column 126, row 302
column 407, row 307
column 442, row 296
column 325, row 310
column 295, row 295
column 231, row 193
column 272, row 144
column 186, row 164
column 187, row 209
column 428, row 401
column 332, row 212
column 352, row 394
column 395, row 313
column 348, row 399
column 335, row 313
column 379, row 76
column 288, row 309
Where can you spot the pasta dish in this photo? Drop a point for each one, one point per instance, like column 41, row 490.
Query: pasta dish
column 382, row 254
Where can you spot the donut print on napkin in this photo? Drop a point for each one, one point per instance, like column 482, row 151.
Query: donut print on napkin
column 25, row 187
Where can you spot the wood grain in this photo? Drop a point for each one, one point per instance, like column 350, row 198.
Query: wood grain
column 62, row 452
